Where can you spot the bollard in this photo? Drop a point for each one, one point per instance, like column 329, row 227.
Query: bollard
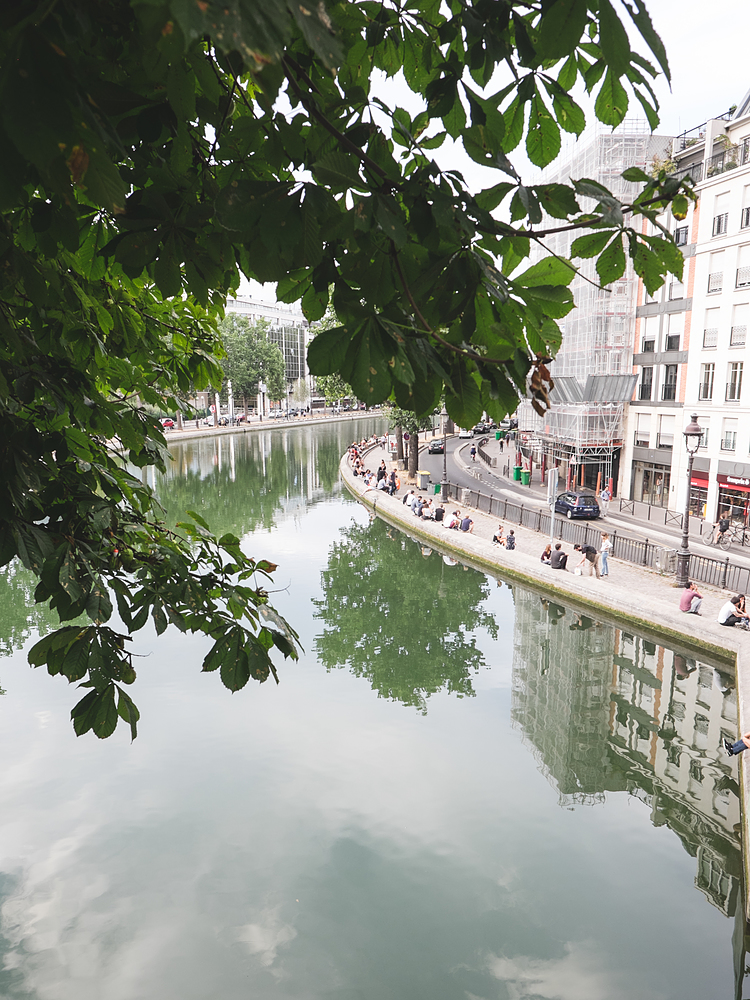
column 724, row 575
column 645, row 553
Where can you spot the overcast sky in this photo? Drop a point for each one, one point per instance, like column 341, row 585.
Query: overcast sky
column 706, row 45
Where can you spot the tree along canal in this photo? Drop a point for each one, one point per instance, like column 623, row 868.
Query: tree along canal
column 461, row 790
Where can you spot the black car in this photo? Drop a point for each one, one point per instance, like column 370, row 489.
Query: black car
column 577, row 503
column 435, row 447
column 479, row 428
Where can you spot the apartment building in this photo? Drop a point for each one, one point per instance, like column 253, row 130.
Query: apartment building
column 288, row 329
column 695, row 348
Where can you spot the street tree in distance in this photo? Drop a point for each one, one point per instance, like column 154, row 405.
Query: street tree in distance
column 251, row 358
column 154, row 152
column 404, row 420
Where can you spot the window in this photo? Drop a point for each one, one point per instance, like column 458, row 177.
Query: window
column 681, row 236
column 706, row 387
column 665, row 435
column 704, row 436
column 673, row 342
column 710, row 337
column 729, row 435
column 669, row 388
column 642, row 429
column 734, row 380
column 721, row 224
column 716, row 271
column 716, row 281
column 676, row 291
column 738, row 335
column 647, row 381
column 745, row 218
column 743, row 267
column 648, row 346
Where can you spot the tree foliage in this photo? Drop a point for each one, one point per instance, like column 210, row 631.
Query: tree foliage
column 250, row 358
column 147, row 164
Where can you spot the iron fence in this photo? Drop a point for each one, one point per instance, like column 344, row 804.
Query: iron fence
column 641, row 552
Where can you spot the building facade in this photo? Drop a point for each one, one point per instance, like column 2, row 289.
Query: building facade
column 690, row 341
column 288, row 329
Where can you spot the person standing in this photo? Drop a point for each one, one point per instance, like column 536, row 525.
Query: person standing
column 605, row 551
column 691, row 600
column 604, row 497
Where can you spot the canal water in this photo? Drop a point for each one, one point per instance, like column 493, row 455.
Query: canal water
column 460, row 791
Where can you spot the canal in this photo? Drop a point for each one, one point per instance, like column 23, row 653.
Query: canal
column 460, row 791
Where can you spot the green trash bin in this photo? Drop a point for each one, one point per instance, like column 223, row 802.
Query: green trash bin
column 525, row 477
column 516, row 473
column 497, row 435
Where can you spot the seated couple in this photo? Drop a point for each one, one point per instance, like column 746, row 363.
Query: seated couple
column 509, row 540
column 555, row 558
column 459, row 523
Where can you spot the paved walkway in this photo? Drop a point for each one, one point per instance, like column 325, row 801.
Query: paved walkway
column 631, row 597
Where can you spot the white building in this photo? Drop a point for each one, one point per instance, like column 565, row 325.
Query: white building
column 288, row 330
column 694, row 348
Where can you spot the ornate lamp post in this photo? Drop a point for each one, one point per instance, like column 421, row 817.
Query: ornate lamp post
column 693, row 434
column 444, row 484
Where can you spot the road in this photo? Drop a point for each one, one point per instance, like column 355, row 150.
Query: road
column 460, row 469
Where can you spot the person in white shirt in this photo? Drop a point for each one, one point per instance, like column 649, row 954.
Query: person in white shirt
column 730, row 613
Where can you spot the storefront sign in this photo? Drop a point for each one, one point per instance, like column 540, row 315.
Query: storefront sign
column 734, row 482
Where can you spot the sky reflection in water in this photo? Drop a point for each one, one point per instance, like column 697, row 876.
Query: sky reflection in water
column 516, row 804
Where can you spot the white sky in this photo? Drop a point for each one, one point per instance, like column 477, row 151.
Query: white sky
column 706, row 45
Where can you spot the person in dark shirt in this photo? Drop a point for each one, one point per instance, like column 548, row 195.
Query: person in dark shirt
column 510, row 540
column 590, row 555
column 558, row 559
column 439, row 513
column 467, row 524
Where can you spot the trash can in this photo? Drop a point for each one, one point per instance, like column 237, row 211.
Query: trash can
column 497, row 435
column 525, row 477
column 516, row 473
column 423, row 479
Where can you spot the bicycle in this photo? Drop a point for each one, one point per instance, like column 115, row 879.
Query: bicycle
column 733, row 533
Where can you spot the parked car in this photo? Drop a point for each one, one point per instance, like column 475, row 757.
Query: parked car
column 435, row 447
column 577, row 503
column 480, row 428
column 167, row 423
column 464, row 433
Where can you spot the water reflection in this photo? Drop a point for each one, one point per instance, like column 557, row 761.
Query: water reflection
column 606, row 711
column 243, row 482
column 400, row 618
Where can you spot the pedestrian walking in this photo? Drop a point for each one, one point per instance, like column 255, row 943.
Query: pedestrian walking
column 604, row 497
column 605, row 550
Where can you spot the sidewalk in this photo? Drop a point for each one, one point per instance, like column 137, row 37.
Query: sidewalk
column 631, row 597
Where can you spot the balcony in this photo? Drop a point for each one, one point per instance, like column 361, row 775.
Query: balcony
column 743, row 278
column 738, row 336
column 716, row 281
column 729, row 159
column 664, row 440
column 729, row 441
column 732, row 394
column 711, row 336
column 668, row 392
column 644, row 390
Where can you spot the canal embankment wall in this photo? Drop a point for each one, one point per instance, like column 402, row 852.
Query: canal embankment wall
column 190, row 433
column 631, row 597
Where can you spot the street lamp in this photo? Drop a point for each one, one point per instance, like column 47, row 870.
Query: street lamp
column 444, row 484
column 693, row 434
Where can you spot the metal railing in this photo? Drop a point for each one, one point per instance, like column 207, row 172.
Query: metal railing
column 641, row 552
column 716, row 281
column 668, row 391
column 644, row 390
column 738, row 336
column 711, row 336
column 728, row 159
column 489, row 460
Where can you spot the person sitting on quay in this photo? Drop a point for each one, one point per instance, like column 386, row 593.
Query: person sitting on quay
column 499, row 538
column 407, row 497
column 510, row 540
column 383, row 485
column 467, row 524
column 690, row 599
column 439, row 513
column 558, row 559
column 546, row 555
column 732, row 749
column 455, row 521
column 732, row 614
column 427, row 512
column 588, row 553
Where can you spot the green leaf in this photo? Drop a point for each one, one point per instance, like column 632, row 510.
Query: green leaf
column 388, row 215
column 455, row 120
column 366, row 366
column 613, row 39
column 339, row 171
column 562, row 26
column 569, row 73
column 327, row 350
column 543, row 136
column 490, row 198
column 591, row 244
column 548, row 271
column 464, row 403
column 128, row 712
column 611, row 263
column 167, row 273
column 235, row 670
column 96, row 711
column 99, row 605
column 611, row 102
column 314, row 303
column 514, row 118
column 569, row 115
column 643, row 22
column 635, row 174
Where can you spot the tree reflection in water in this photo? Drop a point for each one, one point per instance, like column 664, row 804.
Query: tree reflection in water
column 401, row 616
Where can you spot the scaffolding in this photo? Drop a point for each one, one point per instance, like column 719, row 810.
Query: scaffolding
column 598, row 334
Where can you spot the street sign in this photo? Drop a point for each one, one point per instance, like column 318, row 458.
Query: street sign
column 406, row 436
column 212, row 408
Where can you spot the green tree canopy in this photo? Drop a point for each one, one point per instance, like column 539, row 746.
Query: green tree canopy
column 147, row 164
column 251, row 358
column 422, row 645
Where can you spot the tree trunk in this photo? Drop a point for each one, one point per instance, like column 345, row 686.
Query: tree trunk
column 413, row 454
column 400, row 448
column 179, row 420
column 244, row 407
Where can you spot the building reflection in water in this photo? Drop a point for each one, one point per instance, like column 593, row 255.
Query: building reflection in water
column 604, row 711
